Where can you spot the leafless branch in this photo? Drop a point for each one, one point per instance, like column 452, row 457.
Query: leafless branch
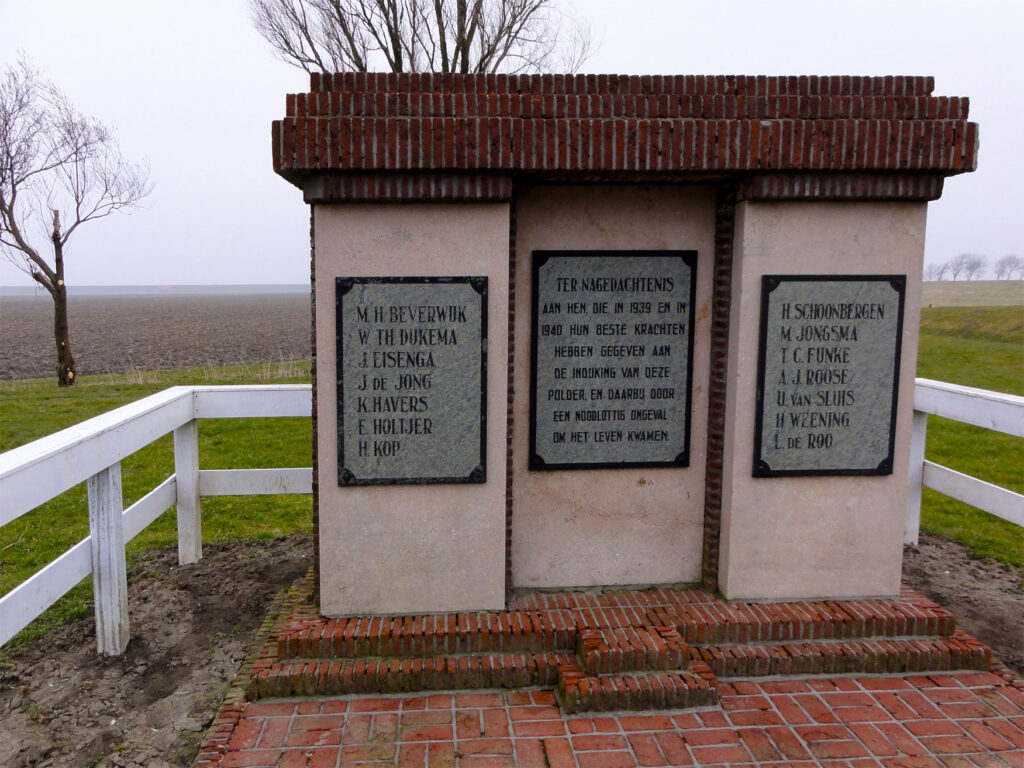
column 1007, row 266
column 58, row 170
column 424, row 35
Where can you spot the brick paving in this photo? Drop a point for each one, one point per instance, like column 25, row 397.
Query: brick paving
column 945, row 720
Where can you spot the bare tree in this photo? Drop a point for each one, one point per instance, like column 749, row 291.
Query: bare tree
column 933, row 271
column 58, row 170
column 975, row 266
column 958, row 264
column 423, row 35
column 1007, row 266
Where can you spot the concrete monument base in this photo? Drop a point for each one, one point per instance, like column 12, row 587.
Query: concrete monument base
column 693, row 357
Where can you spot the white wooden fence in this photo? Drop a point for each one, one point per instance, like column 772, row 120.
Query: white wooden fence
column 982, row 408
column 92, row 451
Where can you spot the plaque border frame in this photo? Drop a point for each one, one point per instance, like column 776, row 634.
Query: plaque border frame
column 539, row 257
column 769, row 283
column 342, row 285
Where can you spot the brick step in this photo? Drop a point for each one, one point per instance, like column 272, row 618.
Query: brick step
column 430, row 635
column 717, row 622
column 680, row 689
column 880, row 655
column 336, row 677
column 701, row 621
column 631, row 649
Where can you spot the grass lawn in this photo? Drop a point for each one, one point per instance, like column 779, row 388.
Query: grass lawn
column 977, row 346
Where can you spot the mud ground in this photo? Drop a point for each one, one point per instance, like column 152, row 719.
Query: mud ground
column 191, row 626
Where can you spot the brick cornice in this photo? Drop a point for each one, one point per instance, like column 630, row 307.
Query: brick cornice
column 751, row 85
column 307, row 144
column 608, row 105
column 840, row 186
column 386, row 129
column 404, row 187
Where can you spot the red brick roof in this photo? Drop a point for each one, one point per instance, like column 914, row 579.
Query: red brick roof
column 607, row 127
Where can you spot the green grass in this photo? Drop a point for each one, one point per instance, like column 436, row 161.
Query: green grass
column 30, row 409
column 999, row 324
column 978, row 347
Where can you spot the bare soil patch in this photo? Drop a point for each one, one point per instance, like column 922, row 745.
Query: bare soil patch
column 62, row 705
column 116, row 334
column 985, row 596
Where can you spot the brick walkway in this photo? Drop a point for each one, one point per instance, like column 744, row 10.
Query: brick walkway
column 908, row 721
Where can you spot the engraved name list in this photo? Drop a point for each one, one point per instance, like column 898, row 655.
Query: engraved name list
column 411, row 379
column 828, row 372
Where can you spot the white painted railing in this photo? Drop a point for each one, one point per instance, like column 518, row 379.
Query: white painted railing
column 92, row 451
column 981, row 408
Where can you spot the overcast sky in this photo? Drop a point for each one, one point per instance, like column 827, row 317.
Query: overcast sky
column 191, row 88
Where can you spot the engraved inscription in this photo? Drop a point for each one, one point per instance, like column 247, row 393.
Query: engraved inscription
column 829, row 373
column 612, row 358
column 411, row 377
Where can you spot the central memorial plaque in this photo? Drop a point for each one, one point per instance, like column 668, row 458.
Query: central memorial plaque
column 828, row 374
column 612, row 359
column 411, row 379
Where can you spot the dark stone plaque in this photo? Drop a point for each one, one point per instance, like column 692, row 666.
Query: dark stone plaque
column 828, row 374
column 612, row 359
column 412, row 379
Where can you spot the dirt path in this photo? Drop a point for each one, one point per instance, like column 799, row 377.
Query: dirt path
column 62, row 705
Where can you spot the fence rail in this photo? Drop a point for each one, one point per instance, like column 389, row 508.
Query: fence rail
column 980, row 408
column 92, row 452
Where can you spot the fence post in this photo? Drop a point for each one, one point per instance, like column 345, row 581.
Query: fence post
column 109, row 573
column 915, row 477
column 186, row 477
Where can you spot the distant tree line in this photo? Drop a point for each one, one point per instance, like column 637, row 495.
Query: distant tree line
column 972, row 266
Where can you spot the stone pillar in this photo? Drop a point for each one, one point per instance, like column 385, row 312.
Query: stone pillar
column 404, row 548
column 829, row 535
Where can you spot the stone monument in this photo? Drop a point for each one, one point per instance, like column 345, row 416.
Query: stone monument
column 577, row 331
